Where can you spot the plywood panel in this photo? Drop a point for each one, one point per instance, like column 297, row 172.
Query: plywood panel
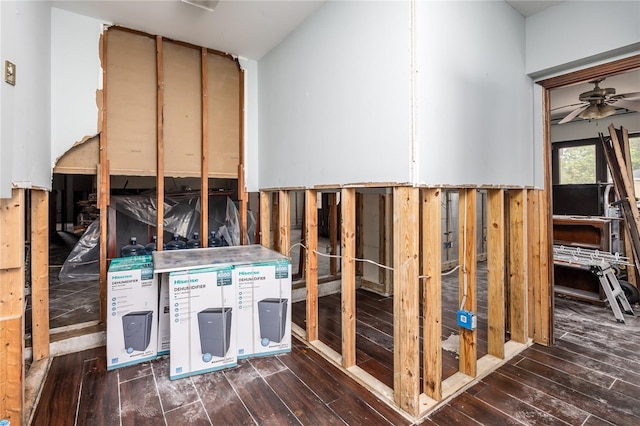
column 182, row 110
column 131, row 102
column 81, row 158
column 224, row 118
column 12, row 369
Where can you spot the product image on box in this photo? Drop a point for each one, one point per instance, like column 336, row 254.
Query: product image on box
column 272, row 314
column 215, row 332
column 137, row 330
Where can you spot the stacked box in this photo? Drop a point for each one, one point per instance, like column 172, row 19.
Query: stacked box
column 164, row 316
column 132, row 319
column 202, row 303
column 264, row 305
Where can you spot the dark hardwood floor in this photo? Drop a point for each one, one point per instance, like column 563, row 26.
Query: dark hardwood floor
column 591, row 376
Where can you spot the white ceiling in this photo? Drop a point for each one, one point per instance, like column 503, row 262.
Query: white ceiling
column 246, row 28
column 251, row 28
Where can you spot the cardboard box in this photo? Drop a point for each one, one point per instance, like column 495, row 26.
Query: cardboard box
column 264, row 307
column 164, row 316
column 132, row 318
column 202, row 303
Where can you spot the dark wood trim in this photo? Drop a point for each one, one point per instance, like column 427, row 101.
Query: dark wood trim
column 612, row 68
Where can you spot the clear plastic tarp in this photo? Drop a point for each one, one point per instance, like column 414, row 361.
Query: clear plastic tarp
column 181, row 216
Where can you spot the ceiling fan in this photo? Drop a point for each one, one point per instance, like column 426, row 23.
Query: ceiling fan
column 597, row 103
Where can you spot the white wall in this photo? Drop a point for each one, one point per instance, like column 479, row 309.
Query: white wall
column 589, row 129
column 576, row 33
column 25, row 133
column 335, row 98
column 474, row 101
column 75, row 76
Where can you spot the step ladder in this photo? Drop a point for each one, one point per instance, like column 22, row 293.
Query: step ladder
column 611, row 287
column 599, row 263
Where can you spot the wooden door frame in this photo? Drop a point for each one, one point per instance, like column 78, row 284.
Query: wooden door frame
column 604, row 70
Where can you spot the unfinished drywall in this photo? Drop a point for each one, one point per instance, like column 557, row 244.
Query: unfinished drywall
column 25, row 128
column 335, row 98
column 577, row 33
column 251, row 164
column 75, row 75
column 474, row 109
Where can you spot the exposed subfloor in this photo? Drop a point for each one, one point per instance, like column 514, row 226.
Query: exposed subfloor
column 591, row 376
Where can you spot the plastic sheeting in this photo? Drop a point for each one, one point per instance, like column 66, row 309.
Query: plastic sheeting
column 181, row 216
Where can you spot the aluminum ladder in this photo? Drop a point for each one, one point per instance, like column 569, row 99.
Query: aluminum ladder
column 599, row 263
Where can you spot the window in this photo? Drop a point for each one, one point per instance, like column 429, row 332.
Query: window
column 577, row 164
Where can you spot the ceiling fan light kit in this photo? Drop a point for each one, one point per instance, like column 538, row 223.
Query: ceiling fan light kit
column 596, row 111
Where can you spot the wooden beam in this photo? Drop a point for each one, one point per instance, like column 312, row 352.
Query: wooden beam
column 242, row 191
column 518, row 265
column 204, row 165
column 12, row 237
column 632, row 272
column 333, row 233
column 265, row 219
column 406, row 306
column 495, row 272
column 468, row 277
column 545, row 334
column 284, row 220
column 348, row 243
column 40, row 273
column 275, row 221
column 359, row 238
column 103, row 185
column 432, row 291
column 533, row 261
column 311, row 270
column 160, row 146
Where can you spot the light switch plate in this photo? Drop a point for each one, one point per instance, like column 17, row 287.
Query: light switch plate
column 10, row 73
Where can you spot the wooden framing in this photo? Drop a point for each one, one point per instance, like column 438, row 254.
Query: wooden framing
column 12, row 214
column 104, row 184
column 468, row 277
column 333, row 233
column 204, row 149
column 386, row 244
column 406, row 308
column 311, row 270
column 160, row 146
column 265, row 219
column 518, row 271
column 359, row 228
column 284, row 220
column 348, row 244
column 432, row 291
column 495, row 272
column 243, row 197
column 39, row 274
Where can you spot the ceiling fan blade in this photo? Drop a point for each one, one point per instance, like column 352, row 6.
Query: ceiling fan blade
column 573, row 114
column 632, row 95
column 630, row 105
column 568, row 106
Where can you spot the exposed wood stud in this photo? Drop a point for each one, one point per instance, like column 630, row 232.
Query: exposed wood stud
column 40, row 273
column 533, row 262
column 518, row 264
column 359, row 238
column 242, row 192
column 311, row 270
column 406, row 307
column 495, row 271
column 103, row 187
column 284, row 220
column 432, row 291
column 545, row 334
column 265, row 219
column 275, row 220
column 348, row 244
column 468, row 277
column 204, row 167
column 160, row 145
column 12, row 237
column 333, row 233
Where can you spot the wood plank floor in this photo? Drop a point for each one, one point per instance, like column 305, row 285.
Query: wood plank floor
column 591, row 376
